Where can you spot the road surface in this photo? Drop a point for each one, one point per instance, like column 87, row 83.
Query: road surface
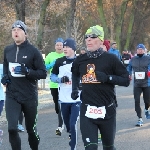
column 128, row 136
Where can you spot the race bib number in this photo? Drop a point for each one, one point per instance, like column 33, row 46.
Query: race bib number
column 12, row 67
column 95, row 112
column 139, row 75
column 126, row 61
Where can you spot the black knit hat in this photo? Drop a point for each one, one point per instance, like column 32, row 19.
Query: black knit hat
column 20, row 24
column 71, row 43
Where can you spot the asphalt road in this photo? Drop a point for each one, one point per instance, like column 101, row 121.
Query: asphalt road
column 128, row 136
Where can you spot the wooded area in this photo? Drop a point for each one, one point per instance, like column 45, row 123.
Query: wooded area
column 124, row 21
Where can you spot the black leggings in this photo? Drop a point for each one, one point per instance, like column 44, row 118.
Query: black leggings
column 89, row 130
column 54, row 93
column 13, row 109
column 146, row 98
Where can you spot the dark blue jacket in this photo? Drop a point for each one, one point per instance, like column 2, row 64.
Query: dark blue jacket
column 140, row 64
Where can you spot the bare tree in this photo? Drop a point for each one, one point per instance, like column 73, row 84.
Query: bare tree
column 41, row 24
column 20, row 10
column 70, row 19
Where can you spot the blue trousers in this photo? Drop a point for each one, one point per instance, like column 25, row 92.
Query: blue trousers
column 70, row 113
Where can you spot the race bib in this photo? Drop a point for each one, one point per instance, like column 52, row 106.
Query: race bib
column 126, row 61
column 139, row 75
column 12, row 67
column 95, row 112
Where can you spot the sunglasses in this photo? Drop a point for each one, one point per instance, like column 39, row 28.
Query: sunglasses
column 93, row 36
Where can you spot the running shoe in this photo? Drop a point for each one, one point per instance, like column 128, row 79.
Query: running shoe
column 20, row 128
column 139, row 123
column 147, row 114
column 59, row 131
column 70, row 136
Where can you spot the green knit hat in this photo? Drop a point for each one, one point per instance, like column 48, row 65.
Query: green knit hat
column 98, row 30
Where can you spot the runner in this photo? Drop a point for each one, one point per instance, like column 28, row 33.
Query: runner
column 49, row 63
column 23, row 66
column 100, row 72
column 140, row 65
column 61, row 74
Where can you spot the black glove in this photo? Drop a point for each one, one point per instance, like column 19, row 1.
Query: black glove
column 21, row 70
column 64, row 79
column 5, row 80
column 101, row 76
column 74, row 94
column 24, row 70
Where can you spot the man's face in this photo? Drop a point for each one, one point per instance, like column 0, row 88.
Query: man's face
column 68, row 51
column 114, row 46
column 93, row 43
column 18, row 35
column 140, row 51
column 59, row 47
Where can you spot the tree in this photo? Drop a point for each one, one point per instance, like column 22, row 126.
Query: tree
column 20, row 10
column 70, row 19
column 41, row 23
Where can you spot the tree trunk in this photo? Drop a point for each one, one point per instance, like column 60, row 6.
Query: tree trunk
column 20, row 10
column 102, row 18
column 70, row 19
column 118, row 25
column 41, row 24
column 130, row 27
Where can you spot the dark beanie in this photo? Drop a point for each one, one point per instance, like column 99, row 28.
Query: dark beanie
column 20, row 24
column 71, row 43
column 142, row 46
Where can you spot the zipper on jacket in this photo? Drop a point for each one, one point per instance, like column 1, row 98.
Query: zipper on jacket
column 17, row 53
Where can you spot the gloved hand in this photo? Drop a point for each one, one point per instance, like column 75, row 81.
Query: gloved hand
column 5, row 80
column 21, row 70
column 24, row 70
column 64, row 79
column 101, row 76
column 74, row 94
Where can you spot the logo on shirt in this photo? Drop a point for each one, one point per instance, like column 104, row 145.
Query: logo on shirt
column 24, row 56
column 64, row 63
column 90, row 77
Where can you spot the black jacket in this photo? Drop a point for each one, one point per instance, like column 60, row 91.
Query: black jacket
column 23, row 88
column 100, row 94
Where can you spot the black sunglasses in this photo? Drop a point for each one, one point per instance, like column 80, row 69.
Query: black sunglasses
column 93, row 36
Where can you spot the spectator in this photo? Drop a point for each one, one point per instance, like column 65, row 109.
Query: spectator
column 114, row 50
